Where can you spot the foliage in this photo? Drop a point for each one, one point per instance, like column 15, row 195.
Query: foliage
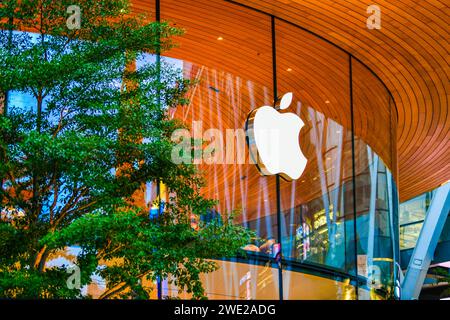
column 72, row 162
column 443, row 276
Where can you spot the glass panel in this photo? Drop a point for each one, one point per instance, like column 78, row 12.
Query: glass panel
column 409, row 235
column 230, row 61
column 317, row 209
column 411, row 216
column 415, row 209
column 302, row 286
column 375, row 190
column 374, row 227
column 235, row 281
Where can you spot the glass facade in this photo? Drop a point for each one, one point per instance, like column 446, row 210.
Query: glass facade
column 338, row 222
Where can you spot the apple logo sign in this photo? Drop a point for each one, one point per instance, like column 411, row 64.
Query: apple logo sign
column 273, row 140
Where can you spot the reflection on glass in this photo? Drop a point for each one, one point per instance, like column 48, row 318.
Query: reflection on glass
column 374, row 222
column 409, row 235
column 411, row 216
column 317, row 209
column 415, row 209
column 238, row 187
column 301, row 286
column 375, row 202
column 252, row 281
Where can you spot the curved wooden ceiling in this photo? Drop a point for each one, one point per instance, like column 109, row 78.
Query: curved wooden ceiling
column 409, row 54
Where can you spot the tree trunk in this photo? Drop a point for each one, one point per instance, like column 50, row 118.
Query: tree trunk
column 41, row 257
column 2, row 101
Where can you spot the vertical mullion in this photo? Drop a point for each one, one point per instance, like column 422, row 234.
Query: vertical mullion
column 353, row 177
column 275, row 97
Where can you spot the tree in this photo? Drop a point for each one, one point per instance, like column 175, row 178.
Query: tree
column 73, row 162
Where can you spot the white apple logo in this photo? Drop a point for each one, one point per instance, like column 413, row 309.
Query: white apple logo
column 273, row 140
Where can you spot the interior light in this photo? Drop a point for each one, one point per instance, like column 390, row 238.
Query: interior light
column 220, row 38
